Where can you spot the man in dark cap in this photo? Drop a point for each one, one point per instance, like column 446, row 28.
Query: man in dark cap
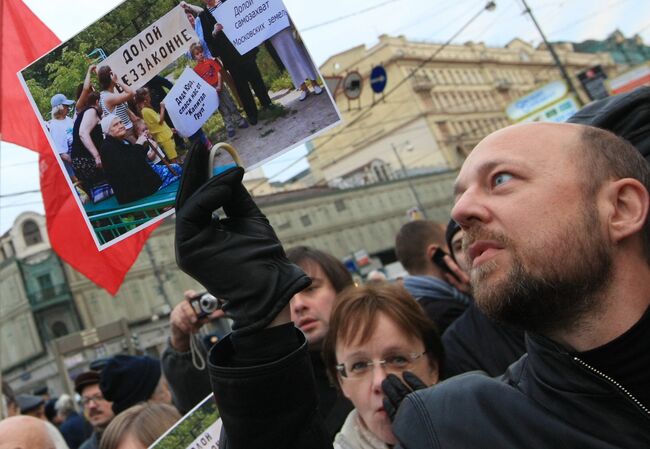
column 43, row 392
column 31, row 405
column 97, row 410
column 127, row 380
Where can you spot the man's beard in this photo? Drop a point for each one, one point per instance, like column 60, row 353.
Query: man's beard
column 558, row 284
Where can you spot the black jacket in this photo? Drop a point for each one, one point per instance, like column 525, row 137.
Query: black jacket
column 189, row 386
column 220, row 46
column 548, row 399
column 474, row 342
column 274, row 405
column 127, row 170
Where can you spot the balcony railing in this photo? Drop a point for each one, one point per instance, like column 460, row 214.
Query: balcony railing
column 48, row 294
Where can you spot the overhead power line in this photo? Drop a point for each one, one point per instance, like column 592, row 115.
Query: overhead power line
column 25, row 192
column 352, row 14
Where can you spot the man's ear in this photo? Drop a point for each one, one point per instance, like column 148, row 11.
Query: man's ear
column 430, row 250
column 629, row 202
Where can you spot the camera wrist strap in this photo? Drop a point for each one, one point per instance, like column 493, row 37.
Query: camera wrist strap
column 197, row 358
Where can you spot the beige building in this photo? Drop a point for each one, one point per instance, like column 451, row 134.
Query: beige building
column 43, row 299
column 342, row 221
column 339, row 221
column 433, row 119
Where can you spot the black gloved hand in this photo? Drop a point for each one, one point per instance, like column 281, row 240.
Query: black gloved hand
column 238, row 259
column 395, row 390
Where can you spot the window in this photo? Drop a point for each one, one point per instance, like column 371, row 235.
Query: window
column 283, row 226
column 59, row 329
column 340, row 205
column 31, row 233
column 45, row 285
column 306, row 221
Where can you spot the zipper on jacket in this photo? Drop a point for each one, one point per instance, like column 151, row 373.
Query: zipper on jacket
column 616, row 384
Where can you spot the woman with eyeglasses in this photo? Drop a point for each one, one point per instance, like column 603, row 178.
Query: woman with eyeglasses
column 374, row 331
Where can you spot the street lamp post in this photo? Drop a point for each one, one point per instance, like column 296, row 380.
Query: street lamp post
column 408, row 180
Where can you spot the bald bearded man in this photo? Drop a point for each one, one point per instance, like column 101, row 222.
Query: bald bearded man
column 27, row 432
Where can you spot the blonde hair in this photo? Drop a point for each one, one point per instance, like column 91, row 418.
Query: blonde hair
column 136, row 124
column 196, row 46
column 146, row 422
column 58, row 112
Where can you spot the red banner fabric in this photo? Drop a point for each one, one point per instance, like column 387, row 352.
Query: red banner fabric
column 24, row 39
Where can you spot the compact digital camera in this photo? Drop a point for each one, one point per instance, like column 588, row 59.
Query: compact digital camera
column 204, row 304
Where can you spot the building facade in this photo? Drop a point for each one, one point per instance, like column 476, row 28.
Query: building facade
column 43, row 299
column 442, row 102
column 36, row 305
column 340, row 221
column 623, row 50
column 343, row 221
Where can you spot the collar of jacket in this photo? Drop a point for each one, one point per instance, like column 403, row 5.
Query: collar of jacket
column 558, row 381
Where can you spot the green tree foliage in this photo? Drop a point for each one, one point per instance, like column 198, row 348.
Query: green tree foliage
column 62, row 75
column 123, row 23
column 267, row 65
column 63, row 69
column 41, row 98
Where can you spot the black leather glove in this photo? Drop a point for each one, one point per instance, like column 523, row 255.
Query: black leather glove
column 395, row 390
column 238, row 259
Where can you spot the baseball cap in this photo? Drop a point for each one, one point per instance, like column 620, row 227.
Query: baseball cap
column 60, row 99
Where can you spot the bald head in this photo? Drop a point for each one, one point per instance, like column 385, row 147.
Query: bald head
column 545, row 145
column 24, row 432
column 581, row 155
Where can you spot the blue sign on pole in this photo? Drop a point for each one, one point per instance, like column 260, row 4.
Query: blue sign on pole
column 378, row 79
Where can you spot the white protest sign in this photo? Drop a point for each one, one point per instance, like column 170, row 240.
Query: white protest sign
column 248, row 23
column 209, row 438
column 191, row 102
column 157, row 46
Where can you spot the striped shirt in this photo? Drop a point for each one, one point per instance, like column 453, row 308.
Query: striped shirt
column 120, row 110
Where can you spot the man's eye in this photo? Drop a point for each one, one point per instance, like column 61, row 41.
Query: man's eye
column 501, row 178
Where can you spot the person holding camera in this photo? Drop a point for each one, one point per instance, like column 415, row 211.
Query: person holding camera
column 183, row 361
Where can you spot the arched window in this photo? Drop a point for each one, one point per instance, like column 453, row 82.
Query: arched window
column 31, row 233
column 59, row 329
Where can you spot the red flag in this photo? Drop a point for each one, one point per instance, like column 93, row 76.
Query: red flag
column 24, row 39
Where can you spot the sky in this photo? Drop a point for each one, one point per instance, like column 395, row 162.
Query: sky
column 359, row 23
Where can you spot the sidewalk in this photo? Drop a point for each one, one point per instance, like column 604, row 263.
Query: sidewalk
column 302, row 119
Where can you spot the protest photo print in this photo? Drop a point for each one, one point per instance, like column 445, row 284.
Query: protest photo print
column 124, row 100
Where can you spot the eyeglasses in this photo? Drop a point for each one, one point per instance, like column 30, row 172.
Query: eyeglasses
column 96, row 399
column 359, row 368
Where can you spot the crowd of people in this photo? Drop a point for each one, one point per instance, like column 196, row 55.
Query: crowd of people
column 102, row 163
column 108, row 149
column 533, row 331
